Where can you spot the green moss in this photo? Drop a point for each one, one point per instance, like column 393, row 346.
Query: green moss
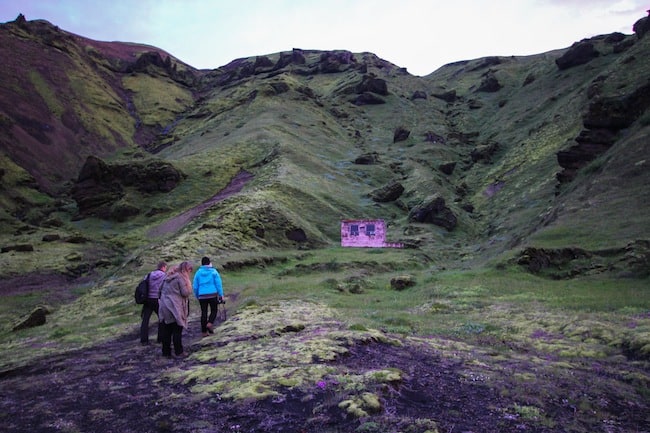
column 49, row 96
column 360, row 406
column 157, row 100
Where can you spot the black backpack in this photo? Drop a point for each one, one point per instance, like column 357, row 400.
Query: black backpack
column 142, row 291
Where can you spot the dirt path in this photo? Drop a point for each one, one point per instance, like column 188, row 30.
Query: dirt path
column 174, row 224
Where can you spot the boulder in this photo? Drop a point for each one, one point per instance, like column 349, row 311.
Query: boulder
column 296, row 235
column 435, row 211
column 367, row 159
column 538, row 259
column 400, row 134
column 642, row 26
column 448, row 97
column 580, row 53
column 35, row 318
column 484, row 152
column 387, row 193
column 24, row 248
column 418, row 94
column 367, row 98
column 447, row 168
column 370, row 83
column 402, row 282
column 489, row 84
column 99, row 186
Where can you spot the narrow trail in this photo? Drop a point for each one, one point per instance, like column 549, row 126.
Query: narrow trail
column 173, row 224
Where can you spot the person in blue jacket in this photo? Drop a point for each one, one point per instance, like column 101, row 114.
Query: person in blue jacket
column 209, row 292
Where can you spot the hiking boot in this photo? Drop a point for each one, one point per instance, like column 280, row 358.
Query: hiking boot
column 181, row 355
column 210, row 326
column 204, row 334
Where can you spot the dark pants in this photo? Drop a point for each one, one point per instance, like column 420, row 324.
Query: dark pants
column 150, row 306
column 212, row 302
column 171, row 332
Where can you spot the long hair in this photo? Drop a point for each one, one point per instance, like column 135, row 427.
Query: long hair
column 185, row 269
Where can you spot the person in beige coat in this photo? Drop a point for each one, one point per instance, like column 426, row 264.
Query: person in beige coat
column 173, row 309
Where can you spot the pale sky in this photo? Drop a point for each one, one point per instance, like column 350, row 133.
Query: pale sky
column 420, row 35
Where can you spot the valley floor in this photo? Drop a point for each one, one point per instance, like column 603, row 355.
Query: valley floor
column 116, row 387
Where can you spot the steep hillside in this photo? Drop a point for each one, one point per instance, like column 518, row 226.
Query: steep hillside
column 324, row 135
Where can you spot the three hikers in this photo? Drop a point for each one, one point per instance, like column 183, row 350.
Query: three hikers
column 169, row 293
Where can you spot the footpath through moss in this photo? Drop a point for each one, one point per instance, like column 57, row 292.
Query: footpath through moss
column 294, row 367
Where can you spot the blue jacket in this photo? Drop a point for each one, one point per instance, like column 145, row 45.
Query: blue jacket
column 207, row 282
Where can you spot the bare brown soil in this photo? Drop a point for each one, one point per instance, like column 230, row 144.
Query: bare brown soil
column 115, row 387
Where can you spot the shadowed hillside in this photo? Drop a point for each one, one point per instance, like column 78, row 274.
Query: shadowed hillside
column 504, row 178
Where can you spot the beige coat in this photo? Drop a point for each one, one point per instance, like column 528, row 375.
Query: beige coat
column 174, row 300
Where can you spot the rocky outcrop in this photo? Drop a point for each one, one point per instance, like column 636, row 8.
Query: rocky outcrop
column 370, row 83
column 447, row 168
column 642, row 26
column 484, row 152
column 153, row 58
column 400, row 134
column 490, row 84
column 418, row 94
column 602, row 122
column 367, row 98
column 448, row 97
column 580, row 53
column 36, row 318
column 387, row 193
column 435, row 211
column 538, row 259
column 100, row 186
column 402, row 282
column 367, row 158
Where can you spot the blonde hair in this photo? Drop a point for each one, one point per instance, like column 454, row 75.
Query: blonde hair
column 185, row 269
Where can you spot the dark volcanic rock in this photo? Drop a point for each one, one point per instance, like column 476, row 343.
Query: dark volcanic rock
column 537, row 259
column 447, row 168
column 296, row 235
column 370, row 83
column 367, row 98
column 418, row 94
column 449, row 96
column 489, row 84
column 605, row 117
column 401, row 134
column 35, row 318
column 434, row 211
column 387, row 193
column 100, row 186
column 367, row 159
column 579, row 54
column 642, row 26
column 484, row 152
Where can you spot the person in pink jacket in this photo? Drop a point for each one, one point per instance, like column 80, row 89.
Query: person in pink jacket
column 150, row 306
column 174, row 309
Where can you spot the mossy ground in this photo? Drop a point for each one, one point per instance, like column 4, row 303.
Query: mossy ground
column 299, row 351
